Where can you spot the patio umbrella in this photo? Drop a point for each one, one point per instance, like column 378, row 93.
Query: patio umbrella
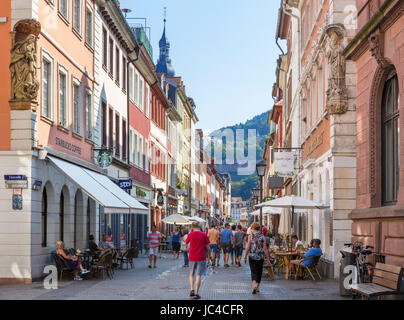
column 266, row 210
column 176, row 219
column 284, row 223
column 195, row 218
column 292, row 202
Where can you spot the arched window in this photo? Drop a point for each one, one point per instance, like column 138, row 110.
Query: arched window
column 44, row 219
column 61, row 216
column 390, row 142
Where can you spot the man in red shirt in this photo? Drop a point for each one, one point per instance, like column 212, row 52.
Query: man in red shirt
column 198, row 245
column 264, row 231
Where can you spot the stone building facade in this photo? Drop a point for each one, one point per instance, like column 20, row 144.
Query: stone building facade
column 377, row 49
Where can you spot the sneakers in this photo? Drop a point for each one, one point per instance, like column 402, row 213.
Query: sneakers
column 85, row 271
column 78, row 278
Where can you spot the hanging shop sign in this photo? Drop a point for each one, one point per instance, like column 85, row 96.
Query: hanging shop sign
column 104, row 158
column 126, row 184
column 37, row 185
column 160, row 199
column 275, row 183
column 284, row 164
column 140, row 193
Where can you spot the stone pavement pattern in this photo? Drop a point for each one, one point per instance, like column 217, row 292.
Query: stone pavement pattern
column 170, row 282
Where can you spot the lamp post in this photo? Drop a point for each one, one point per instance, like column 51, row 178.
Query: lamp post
column 256, row 194
column 261, row 168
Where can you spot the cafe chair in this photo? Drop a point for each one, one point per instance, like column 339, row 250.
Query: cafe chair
column 310, row 269
column 127, row 258
column 270, row 269
column 61, row 265
column 104, row 266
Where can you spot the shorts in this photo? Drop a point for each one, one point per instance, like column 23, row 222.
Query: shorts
column 197, row 268
column 239, row 250
column 176, row 246
column 153, row 251
column 226, row 246
column 214, row 248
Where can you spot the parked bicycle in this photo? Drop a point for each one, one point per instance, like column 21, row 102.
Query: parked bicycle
column 364, row 268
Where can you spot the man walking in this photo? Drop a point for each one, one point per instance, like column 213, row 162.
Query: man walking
column 238, row 239
column 227, row 243
column 198, row 246
column 213, row 236
column 153, row 244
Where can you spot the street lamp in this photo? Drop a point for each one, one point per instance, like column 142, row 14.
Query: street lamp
column 261, row 168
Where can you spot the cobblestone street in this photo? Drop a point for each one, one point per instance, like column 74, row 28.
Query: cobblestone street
column 170, row 282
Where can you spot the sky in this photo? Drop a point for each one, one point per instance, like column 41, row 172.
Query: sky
column 224, row 50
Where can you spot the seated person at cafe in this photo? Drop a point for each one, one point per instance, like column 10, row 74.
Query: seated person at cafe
column 72, row 261
column 103, row 244
column 314, row 251
column 296, row 242
column 93, row 246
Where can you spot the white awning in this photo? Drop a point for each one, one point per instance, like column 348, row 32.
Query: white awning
column 100, row 188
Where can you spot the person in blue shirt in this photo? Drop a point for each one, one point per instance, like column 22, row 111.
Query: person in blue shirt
column 227, row 243
column 176, row 242
column 314, row 251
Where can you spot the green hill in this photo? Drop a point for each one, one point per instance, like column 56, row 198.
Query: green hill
column 241, row 184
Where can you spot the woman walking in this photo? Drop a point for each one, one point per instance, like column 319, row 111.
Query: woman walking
column 176, row 243
column 185, row 249
column 256, row 252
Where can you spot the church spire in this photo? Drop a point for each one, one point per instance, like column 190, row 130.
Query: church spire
column 164, row 61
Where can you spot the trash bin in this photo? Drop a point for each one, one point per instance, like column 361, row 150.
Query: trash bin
column 348, row 258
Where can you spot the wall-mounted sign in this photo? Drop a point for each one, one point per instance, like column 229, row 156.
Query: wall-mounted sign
column 17, row 202
column 126, row 184
column 284, row 164
column 104, row 158
column 140, row 193
column 68, row 146
column 318, row 141
column 15, row 177
column 17, row 184
column 275, row 183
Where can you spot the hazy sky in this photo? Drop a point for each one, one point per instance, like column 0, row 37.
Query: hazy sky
column 224, row 50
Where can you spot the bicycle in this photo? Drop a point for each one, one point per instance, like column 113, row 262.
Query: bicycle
column 364, row 269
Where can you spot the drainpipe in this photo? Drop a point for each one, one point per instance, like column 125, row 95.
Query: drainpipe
column 289, row 13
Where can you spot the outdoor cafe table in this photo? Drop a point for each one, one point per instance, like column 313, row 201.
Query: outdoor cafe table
column 287, row 256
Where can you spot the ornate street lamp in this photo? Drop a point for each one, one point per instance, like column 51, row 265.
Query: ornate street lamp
column 261, row 168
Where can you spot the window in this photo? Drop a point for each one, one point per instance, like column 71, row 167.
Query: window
column 76, row 107
column 124, row 139
column 104, row 48
column 314, row 103
column 64, row 8
column 89, row 115
column 309, row 98
column 47, row 86
column 104, row 124
column 89, row 26
column 147, row 102
column 141, row 96
column 130, row 146
column 135, row 150
column 111, row 129
column 63, row 98
column 77, row 16
column 137, row 89
column 140, row 153
column 118, row 68
column 44, row 220
column 131, row 88
column 390, row 142
column 147, row 161
column 124, row 73
column 320, row 92
column 111, row 57
column 117, row 136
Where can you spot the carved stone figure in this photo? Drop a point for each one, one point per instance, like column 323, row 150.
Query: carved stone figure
column 337, row 99
column 376, row 48
column 23, row 66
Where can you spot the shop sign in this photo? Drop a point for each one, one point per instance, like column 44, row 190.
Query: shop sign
column 104, row 158
column 126, row 184
column 318, row 141
column 17, row 199
column 160, row 199
column 140, row 193
column 284, row 164
column 15, row 177
column 17, row 184
column 275, row 183
column 123, row 240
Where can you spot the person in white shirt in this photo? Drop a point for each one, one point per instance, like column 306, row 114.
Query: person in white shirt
column 185, row 249
column 296, row 242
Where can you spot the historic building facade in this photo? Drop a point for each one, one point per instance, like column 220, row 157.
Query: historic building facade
column 377, row 50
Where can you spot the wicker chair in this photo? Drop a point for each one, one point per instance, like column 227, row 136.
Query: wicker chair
column 127, row 258
column 61, row 265
column 104, row 266
column 310, row 269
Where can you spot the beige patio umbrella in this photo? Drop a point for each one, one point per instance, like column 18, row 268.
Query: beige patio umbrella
column 195, row 218
column 176, row 219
